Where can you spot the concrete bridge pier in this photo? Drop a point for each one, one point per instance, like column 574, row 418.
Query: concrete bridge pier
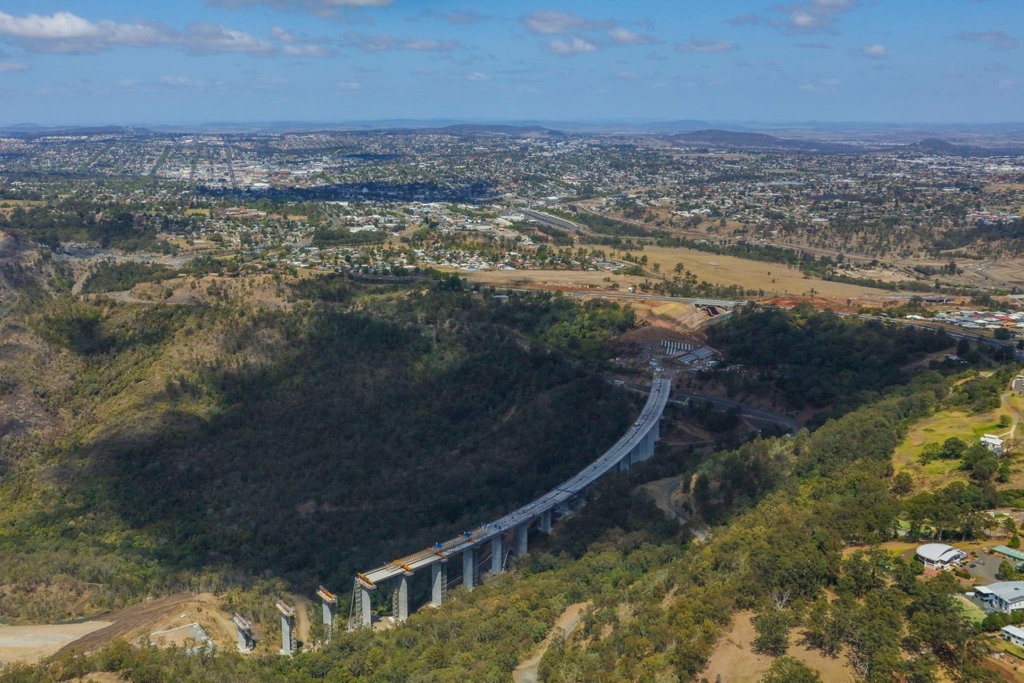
column 469, row 568
column 366, row 610
column 403, row 597
column 626, row 461
column 497, row 554
column 329, row 602
column 522, row 538
column 288, row 640
column 246, row 642
column 545, row 522
column 438, row 582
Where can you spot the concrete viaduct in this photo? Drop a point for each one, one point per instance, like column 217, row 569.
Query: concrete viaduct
column 509, row 534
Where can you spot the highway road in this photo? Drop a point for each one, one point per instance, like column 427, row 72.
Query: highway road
column 759, row 414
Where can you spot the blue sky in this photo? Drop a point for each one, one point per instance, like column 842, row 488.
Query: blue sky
column 193, row 61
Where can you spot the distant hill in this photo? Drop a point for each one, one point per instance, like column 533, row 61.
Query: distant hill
column 944, row 148
column 495, row 129
column 745, row 140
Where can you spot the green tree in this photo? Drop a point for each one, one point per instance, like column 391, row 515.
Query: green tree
column 790, row 670
column 772, row 633
column 902, row 484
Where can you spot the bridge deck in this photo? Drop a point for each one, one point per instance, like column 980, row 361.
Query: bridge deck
column 561, row 494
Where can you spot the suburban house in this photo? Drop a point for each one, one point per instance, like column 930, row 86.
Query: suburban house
column 1014, row 634
column 993, row 443
column 1003, row 596
column 939, row 556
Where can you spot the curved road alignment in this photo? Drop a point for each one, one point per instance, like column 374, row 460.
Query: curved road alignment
column 635, row 445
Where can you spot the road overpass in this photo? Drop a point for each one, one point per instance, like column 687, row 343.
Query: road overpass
column 553, row 221
column 635, row 445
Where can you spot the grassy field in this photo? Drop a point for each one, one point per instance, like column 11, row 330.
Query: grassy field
column 9, row 205
column 970, row 610
column 936, row 429
column 775, row 279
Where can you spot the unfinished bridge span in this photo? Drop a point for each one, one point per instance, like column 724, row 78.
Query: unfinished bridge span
column 509, row 534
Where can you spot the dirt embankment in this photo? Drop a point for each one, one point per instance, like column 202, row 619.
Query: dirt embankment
column 34, row 642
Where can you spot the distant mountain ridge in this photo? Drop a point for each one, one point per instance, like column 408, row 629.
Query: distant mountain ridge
column 685, row 132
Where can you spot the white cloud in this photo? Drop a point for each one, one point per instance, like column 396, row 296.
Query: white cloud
column 553, row 23
column 322, row 8
column 997, row 39
column 181, row 82
column 477, row 76
column 68, row 33
column 874, row 51
column 293, row 50
column 572, row 46
column 705, row 45
column 382, row 41
column 807, row 16
column 349, row 85
column 623, row 36
column 283, row 34
column 8, row 67
column 64, row 32
column 556, row 23
column 203, row 38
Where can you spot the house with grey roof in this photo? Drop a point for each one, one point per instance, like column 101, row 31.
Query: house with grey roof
column 1003, row 596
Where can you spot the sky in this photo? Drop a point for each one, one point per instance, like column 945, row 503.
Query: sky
column 91, row 62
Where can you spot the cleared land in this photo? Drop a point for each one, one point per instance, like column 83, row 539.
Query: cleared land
column 32, row 643
column 736, row 662
column 774, row 278
column 138, row 621
column 936, row 429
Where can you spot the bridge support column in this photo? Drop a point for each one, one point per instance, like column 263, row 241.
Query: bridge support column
column 329, row 602
column 545, row 522
column 288, row 640
column 367, row 614
column 522, row 538
column 469, row 568
column 403, row 597
column 245, row 640
column 497, row 554
column 438, row 582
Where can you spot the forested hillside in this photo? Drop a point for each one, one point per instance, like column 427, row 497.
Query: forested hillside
column 657, row 606
column 178, row 447
column 784, row 512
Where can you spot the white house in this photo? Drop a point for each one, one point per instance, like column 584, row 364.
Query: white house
column 993, row 443
column 1014, row 634
column 1004, row 596
column 940, row 556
